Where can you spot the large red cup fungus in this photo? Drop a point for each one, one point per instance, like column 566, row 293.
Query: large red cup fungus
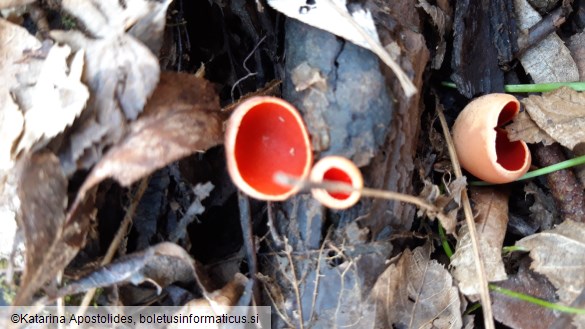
column 266, row 135
column 482, row 144
column 341, row 170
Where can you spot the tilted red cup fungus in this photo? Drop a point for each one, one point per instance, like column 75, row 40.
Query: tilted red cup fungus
column 482, row 144
column 341, row 170
column 266, row 135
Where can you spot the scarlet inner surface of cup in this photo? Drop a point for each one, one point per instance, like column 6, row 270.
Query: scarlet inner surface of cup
column 270, row 139
column 337, row 175
column 511, row 155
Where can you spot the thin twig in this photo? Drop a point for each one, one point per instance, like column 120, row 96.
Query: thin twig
column 333, row 186
column 249, row 73
column 295, row 283
column 122, row 231
column 484, row 293
column 376, row 47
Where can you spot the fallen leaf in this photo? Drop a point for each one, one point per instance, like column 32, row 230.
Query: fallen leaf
column 543, row 213
column 227, row 296
column 350, row 21
column 169, row 129
column 558, row 255
column 450, row 202
column 161, row 265
column 491, row 207
column 52, row 99
column 560, row 113
column 491, row 211
column 576, row 46
column 14, row 41
column 523, row 128
column 181, row 118
column 417, row 292
column 550, row 60
column 443, row 23
column 464, row 265
column 512, row 311
column 120, row 72
column 14, row 3
column 42, row 190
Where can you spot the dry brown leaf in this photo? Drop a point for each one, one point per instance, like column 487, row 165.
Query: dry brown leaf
column 512, row 311
column 558, row 255
column 576, row 45
column 525, row 129
column 51, row 98
column 351, row 21
column 449, row 202
column 417, row 292
column 222, row 301
column 443, row 23
column 161, row 265
column 549, row 60
column 182, row 118
column 14, row 41
column 491, row 208
column 42, row 190
column 14, row 3
column 227, row 296
column 120, row 71
column 464, row 266
column 544, row 212
column 560, row 113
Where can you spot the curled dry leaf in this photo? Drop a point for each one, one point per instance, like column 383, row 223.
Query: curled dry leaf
column 351, row 21
column 550, row 60
column 558, row 255
column 14, row 42
column 417, row 292
column 323, row 15
column 120, row 71
column 182, row 118
column 449, row 202
column 491, row 207
column 561, row 114
column 161, row 265
column 523, row 128
column 51, row 96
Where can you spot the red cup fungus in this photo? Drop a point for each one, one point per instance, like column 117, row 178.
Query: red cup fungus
column 482, row 144
column 341, row 170
column 266, row 135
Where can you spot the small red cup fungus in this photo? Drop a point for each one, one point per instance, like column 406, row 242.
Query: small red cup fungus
column 482, row 144
column 266, row 135
column 341, row 170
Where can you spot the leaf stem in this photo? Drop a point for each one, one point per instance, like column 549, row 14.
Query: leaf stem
column 536, row 301
column 542, row 171
column 532, row 88
column 444, row 242
column 510, row 249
